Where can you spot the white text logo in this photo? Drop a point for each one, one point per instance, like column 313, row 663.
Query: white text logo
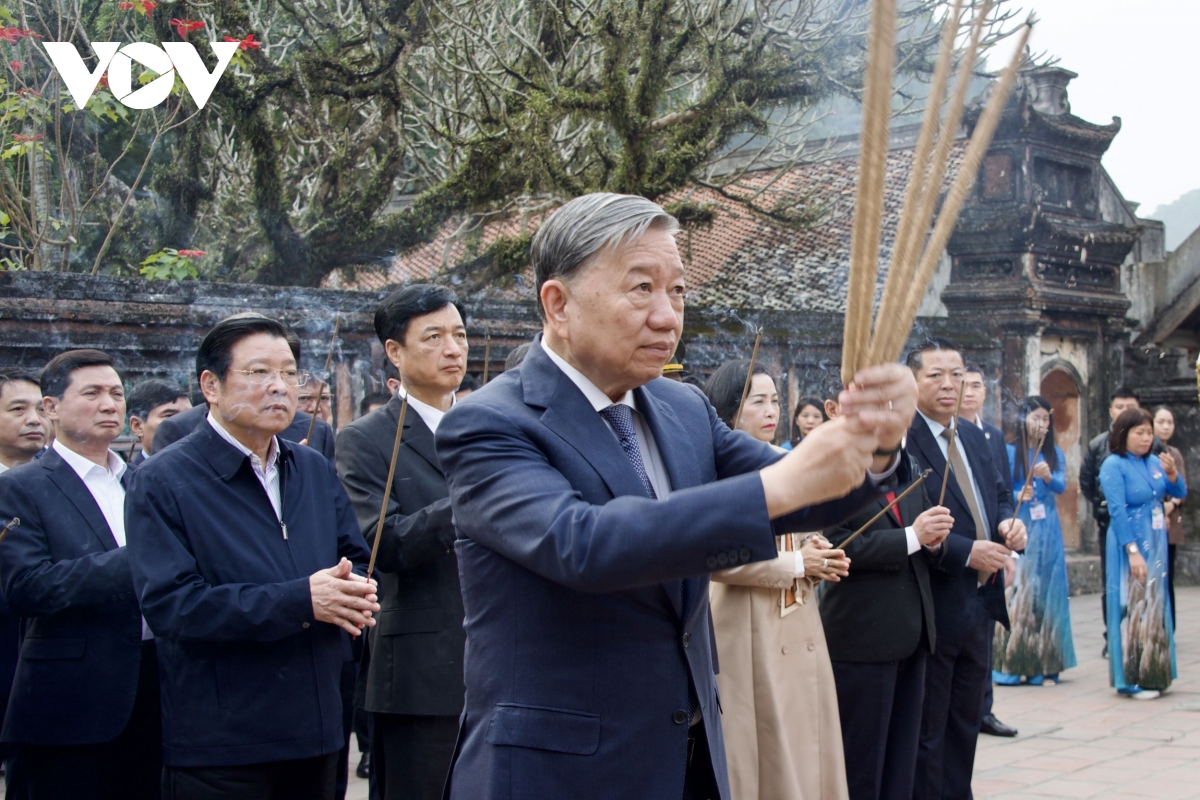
column 178, row 57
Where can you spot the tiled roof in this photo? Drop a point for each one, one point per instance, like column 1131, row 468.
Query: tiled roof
column 743, row 260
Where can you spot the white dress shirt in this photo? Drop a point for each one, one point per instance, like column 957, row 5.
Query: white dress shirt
column 267, row 474
column 936, row 429
column 104, row 484
column 656, row 469
column 432, row 417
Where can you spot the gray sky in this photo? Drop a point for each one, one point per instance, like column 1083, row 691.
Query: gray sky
column 1138, row 60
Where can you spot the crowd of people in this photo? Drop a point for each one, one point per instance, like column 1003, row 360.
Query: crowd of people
column 579, row 580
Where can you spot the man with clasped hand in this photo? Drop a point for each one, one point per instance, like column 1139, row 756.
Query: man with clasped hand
column 592, row 499
column 243, row 546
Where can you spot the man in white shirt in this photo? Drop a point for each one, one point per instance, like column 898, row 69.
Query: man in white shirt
column 85, row 704
column 414, row 683
column 966, row 599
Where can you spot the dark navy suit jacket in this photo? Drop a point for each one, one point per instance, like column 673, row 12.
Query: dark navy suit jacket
column 586, row 601
column 172, row 429
column 248, row 675
column 62, row 571
column 960, row 604
column 995, row 440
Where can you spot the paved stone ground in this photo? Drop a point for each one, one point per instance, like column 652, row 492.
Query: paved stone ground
column 1080, row 739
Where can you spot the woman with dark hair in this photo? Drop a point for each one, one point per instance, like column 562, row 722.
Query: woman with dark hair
column 1164, row 429
column 1039, row 644
column 782, row 731
column 810, row 412
column 1135, row 481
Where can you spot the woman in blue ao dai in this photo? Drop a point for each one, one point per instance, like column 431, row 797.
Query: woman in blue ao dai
column 1141, row 638
column 1038, row 645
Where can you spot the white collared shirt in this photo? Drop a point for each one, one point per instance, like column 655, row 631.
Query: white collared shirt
column 104, row 485
column 656, row 468
column 3, row 468
column 936, row 429
column 268, row 474
column 432, row 417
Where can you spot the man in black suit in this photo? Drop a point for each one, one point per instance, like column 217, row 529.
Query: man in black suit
column 974, row 394
column 149, row 404
column 966, row 598
column 180, row 425
column 85, row 707
column 879, row 625
column 414, row 669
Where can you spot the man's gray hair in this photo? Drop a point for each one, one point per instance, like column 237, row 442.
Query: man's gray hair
column 589, row 225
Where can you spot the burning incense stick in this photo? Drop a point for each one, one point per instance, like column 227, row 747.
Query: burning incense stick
column 337, row 325
column 868, row 202
column 487, row 357
column 387, row 486
column 15, row 522
column 908, row 238
column 953, row 440
column 920, row 480
column 1029, row 473
column 749, row 377
column 981, row 139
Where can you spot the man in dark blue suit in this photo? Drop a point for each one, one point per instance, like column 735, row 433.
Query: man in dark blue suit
column 592, row 499
column 84, row 709
column 177, row 427
column 966, row 597
column 149, row 404
column 242, row 550
column 974, row 394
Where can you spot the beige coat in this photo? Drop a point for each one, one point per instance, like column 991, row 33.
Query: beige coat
column 783, row 739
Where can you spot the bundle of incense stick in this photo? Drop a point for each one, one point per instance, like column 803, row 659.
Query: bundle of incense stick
column 916, row 252
column 12, row 523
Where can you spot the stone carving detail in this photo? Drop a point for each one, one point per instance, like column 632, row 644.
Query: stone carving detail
column 1086, row 276
column 991, row 270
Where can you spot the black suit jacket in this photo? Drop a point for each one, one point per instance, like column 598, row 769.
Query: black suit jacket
column 879, row 611
column 415, row 662
column 172, row 429
column 62, row 571
column 995, row 440
column 959, row 602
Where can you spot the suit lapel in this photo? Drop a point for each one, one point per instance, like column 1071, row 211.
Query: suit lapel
column 71, row 485
column 417, row 435
column 922, row 437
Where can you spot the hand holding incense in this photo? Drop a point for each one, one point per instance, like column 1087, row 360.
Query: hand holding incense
column 487, row 358
column 749, row 377
column 1029, row 475
column 886, row 509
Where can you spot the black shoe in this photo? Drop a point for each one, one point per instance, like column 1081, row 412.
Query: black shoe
column 364, row 767
column 994, row 727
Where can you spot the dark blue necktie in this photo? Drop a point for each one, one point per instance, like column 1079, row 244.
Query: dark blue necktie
column 620, row 417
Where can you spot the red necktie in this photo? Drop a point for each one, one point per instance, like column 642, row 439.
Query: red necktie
column 891, row 498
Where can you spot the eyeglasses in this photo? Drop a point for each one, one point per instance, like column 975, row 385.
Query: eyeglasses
column 263, row 377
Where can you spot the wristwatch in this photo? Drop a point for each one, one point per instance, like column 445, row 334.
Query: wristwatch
column 1131, row 548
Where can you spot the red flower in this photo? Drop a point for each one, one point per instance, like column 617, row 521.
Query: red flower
column 20, row 138
column 29, row 91
column 16, row 65
column 102, row 83
column 185, row 26
column 245, row 44
column 12, row 35
column 192, row 253
column 124, row 6
column 148, row 6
